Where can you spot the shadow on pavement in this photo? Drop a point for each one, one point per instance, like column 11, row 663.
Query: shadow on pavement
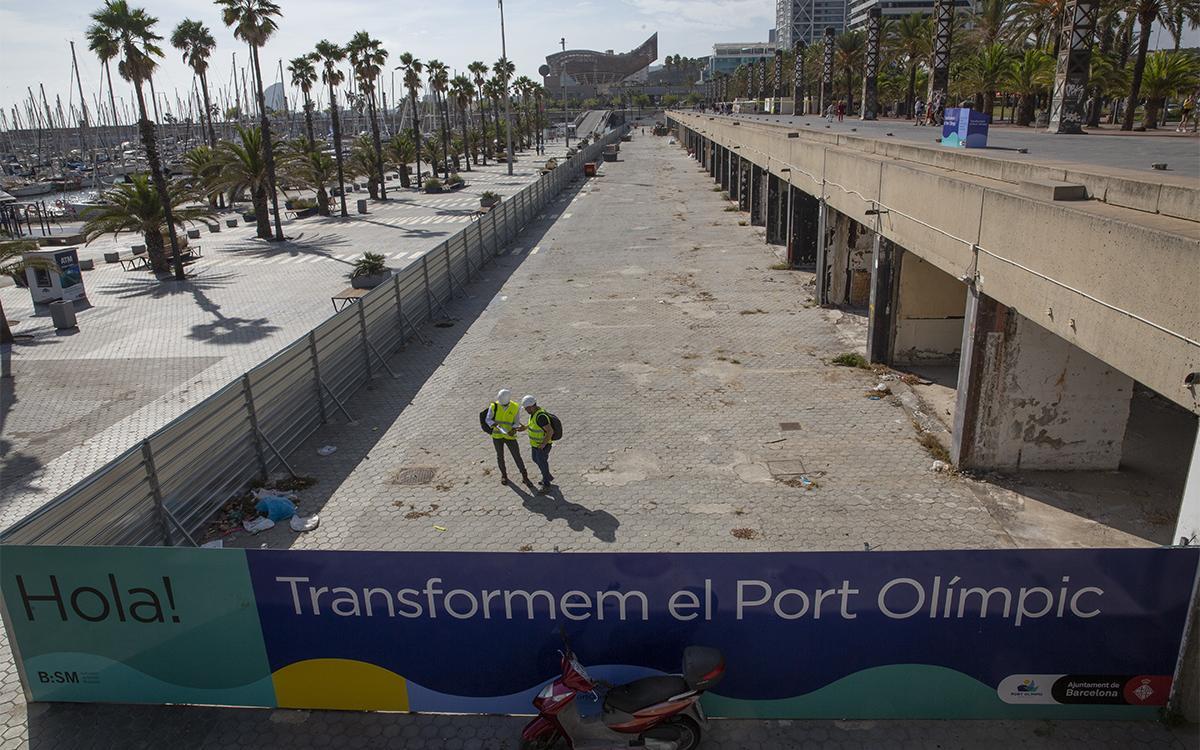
column 555, row 506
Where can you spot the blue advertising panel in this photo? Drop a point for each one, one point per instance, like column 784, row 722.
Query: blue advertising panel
column 937, row 634
column 963, row 127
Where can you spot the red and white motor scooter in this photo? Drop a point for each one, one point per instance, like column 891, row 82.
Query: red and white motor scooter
column 658, row 713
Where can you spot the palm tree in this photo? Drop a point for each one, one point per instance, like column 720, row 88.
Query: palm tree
column 463, row 92
column 986, row 70
column 330, row 55
column 132, row 30
column 479, row 70
column 106, row 48
column 202, row 169
column 362, row 162
column 439, row 81
column 1028, row 75
column 494, row 90
column 13, row 263
column 1167, row 74
column 196, row 42
column 849, row 53
column 1179, row 15
column 243, row 166
column 1042, row 20
column 253, row 22
column 911, row 42
column 367, row 57
column 1145, row 11
column 504, row 69
column 995, row 21
column 135, row 206
column 311, row 167
column 412, row 68
column 304, row 75
column 401, row 151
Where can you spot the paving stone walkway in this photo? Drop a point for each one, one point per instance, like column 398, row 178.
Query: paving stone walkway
column 695, row 389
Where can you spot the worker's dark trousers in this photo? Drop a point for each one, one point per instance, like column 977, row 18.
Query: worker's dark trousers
column 514, row 449
column 541, row 457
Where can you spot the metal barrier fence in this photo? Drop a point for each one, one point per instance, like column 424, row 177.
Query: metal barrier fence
column 164, row 489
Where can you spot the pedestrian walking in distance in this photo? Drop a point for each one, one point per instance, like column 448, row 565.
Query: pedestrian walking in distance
column 502, row 418
column 541, row 439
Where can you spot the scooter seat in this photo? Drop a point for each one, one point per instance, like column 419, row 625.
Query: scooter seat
column 642, row 693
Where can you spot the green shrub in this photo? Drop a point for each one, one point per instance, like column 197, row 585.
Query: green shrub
column 454, row 179
column 851, row 359
column 433, row 183
column 369, row 265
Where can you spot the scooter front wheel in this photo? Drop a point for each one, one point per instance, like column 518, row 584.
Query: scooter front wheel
column 681, row 730
column 544, row 742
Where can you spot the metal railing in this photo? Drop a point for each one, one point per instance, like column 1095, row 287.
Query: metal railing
column 165, row 488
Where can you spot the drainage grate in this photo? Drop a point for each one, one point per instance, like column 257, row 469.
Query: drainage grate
column 414, row 475
column 789, row 426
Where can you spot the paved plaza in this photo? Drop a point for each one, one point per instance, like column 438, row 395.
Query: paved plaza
column 701, row 410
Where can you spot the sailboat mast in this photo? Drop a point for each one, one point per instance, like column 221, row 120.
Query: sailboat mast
column 82, row 105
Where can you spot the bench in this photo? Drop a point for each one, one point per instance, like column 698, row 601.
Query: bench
column 131, row 262
column 190, row 253
column 484, row 210
column 347, row 297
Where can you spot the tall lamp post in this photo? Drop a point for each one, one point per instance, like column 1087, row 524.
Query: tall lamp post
column 507, row 97
column 562, row 79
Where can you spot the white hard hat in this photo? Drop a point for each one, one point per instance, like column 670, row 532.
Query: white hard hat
column 528, row 401
column 503, row 395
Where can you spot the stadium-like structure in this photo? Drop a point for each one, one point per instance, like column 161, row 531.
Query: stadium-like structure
column 583, row 67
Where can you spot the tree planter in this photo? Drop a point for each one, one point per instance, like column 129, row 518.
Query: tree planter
column 488, row 202
column 231, row 223
column 456, row 186
column 370, row 281
column 431, row 189
column 304, row 213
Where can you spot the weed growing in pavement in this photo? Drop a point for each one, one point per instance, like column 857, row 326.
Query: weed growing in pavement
column 731, row 208
column 744, row 533
column 851, row 359
column 930, row 443
column 743, row 223
column 755, row 311
column 781, row 267
column 716, row 190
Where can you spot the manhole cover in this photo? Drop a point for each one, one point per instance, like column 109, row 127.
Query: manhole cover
column 787, row 467
column 789, row 426
column 414, row 475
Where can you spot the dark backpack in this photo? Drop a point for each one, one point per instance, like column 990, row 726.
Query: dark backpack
column 483, row 425
column 555, row 427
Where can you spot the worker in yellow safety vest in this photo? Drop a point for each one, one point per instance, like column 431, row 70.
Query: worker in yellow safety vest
column 541, row 439
column 502, row 417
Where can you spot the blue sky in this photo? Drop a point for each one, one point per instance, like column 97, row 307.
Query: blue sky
column 34, row 35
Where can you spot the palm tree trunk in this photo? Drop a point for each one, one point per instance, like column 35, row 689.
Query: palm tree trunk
column 308, row 123
column 322, row 201
column 212, row 133
column 1153, row 107
column 445, row 116
column 378, row 146
column 910, row 97
column 146, row 129
column 466, row 138
column 483, row 124
column 268, row 150
column 262, row 214
column 1139, row 67
column 416, row 118
column 337, row 146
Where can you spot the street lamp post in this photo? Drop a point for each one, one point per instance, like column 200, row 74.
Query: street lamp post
column 507, row 98
column 562, row 79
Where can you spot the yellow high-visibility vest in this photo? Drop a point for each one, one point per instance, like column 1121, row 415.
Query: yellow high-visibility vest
column 537, row 435
column 505, row 416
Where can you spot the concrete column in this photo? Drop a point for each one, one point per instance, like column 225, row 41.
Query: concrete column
column 1187, row 524
column 805, row 220
column 930, row 305
column 757, row 204
column 821, row 280
column 879, row 311
column 1074, row 62
column 1028, row 399
column 849, row 261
